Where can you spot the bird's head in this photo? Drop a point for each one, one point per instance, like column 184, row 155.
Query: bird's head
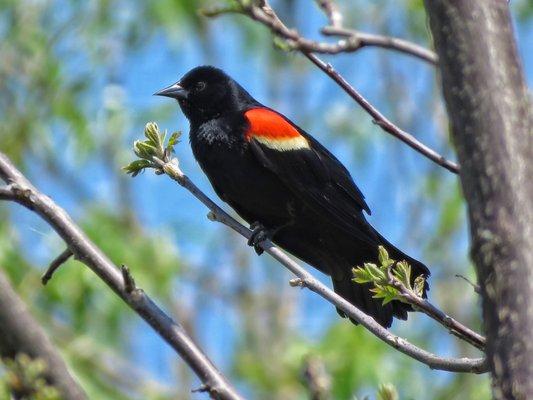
column 206, row 93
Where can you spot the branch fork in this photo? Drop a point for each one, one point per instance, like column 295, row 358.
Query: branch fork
column 263, row 13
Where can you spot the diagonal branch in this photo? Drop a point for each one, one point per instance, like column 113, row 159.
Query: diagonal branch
column 423, row 305
column 265, row 15
column 305, row 279
column 380, row 119
column 20, row 190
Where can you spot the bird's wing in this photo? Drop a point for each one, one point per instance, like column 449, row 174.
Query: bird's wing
column 306, row 168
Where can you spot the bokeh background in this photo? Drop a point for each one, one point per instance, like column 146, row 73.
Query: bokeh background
column 76, row 84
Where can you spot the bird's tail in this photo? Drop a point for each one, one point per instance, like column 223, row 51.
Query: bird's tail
column 361, row 296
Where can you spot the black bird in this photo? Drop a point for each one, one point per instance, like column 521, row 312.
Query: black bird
column 284, row 183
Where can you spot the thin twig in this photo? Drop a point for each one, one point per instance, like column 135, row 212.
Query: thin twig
column 23, row 192
column 385, row 42
column 129, row 282
column 267, row 16
column 476, row 287
column 54, row 265
column 380, row 119
column 352, row 41
column 305, row 279
column 455, row 327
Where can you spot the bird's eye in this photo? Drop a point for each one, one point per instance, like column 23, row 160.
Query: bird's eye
column 200, row 86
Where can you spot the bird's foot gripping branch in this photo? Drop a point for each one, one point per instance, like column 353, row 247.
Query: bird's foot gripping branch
column 156, row 153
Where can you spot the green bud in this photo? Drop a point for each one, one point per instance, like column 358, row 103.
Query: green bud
column 151, row 131
column 387, row 391
column 418, row 286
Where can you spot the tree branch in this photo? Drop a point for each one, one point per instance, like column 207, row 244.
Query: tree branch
column 332, row 11
column 305, row 279
column 55, row 264
column 380, row 119
column 475, row 287
column 265, row 15
column 353, row 40
column 455, row 327
column 19, row 189
column 20, row 333
column 385, row 42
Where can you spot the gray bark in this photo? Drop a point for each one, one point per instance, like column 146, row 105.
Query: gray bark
column 21, row 333
column 491, row 122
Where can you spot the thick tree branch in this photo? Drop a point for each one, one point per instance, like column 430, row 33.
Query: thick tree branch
column 20, row 333
column 19, row 189
column 491, row 122
column 305, row 279
column 264, row 14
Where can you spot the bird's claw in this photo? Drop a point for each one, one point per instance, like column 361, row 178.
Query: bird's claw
column 258, row 236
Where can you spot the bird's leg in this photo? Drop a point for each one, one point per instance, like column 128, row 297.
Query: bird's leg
column 259, row 234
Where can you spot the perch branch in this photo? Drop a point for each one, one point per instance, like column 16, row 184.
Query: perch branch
column 305, row 279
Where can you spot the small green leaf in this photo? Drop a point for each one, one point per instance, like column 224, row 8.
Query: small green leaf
column 387, row 293
column 172, row 141
column 144, row 149
column 383, row 255
column 136, row 167
column 377, row 274
column 402, row 272
column 419, row 285
column 387, row 391
column 151, row 131
column 361, row 275
column 153, row 147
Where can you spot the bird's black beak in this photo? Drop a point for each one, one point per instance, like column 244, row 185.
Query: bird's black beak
column 175, row 91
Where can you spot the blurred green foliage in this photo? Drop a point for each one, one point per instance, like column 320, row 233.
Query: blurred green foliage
column 24, row 379
column 68, row 124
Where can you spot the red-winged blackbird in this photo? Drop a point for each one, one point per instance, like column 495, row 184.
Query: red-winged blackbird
column 285, row 183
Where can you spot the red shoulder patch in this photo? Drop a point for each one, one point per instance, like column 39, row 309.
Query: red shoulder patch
column 268, row 124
